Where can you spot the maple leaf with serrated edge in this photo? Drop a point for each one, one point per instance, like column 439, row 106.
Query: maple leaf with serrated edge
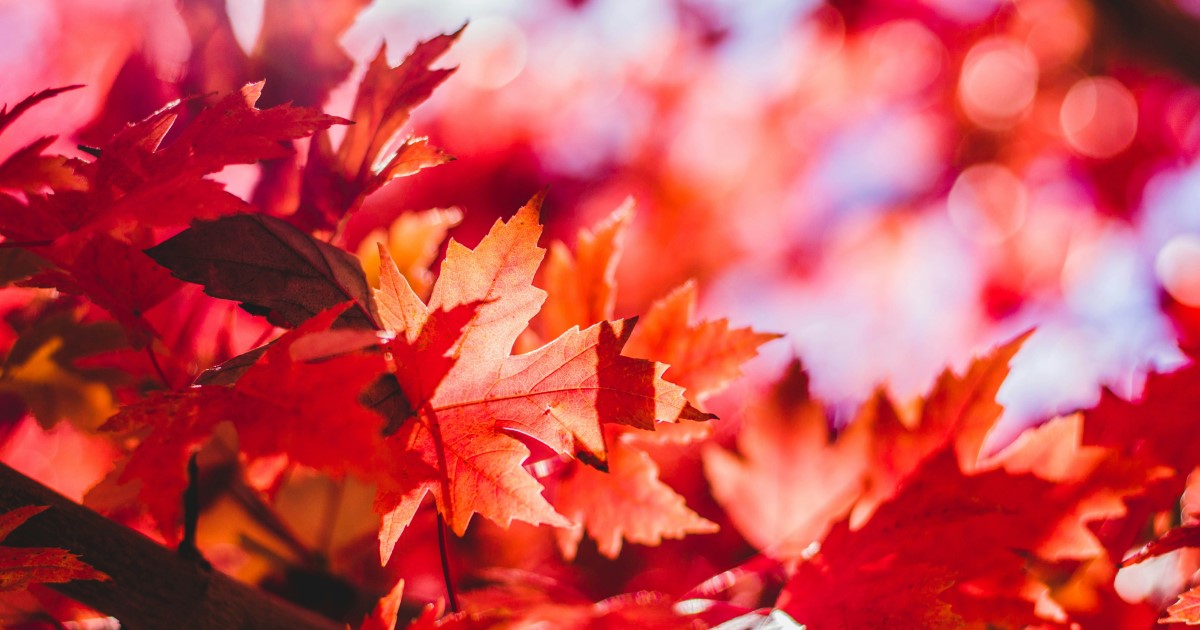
column 960, row 409
column 26, row 169
column 1156, row 429
column 335, row 182
column 581, row 285
column 792, row 477
column 300, row 398
column 626, row 502
column 704, row 357
column 136, row 184
column 581, row 290
column 453, row 362
column 957, row 542
column 22, row 566
column 1185, row 610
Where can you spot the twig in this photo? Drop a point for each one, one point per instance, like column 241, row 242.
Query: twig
column 443, row 548
column 191, row 516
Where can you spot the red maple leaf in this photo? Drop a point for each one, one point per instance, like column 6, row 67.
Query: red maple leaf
column 625, row 502
column 22, row 566
column 581, row 284
column 335, row 182
column 300, row 398
column 956, row 543
column 383, row 616
column 93, row 229
column 959, row 409
column 27, row 169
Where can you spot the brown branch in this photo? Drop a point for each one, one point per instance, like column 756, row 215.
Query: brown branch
column 151, row 586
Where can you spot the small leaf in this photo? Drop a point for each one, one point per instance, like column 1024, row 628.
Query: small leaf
column 22, row 566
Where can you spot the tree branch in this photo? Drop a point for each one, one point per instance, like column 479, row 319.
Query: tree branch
column 151, row 586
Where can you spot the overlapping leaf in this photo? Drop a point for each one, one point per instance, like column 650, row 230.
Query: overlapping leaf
column 791, row 478
column 336, row 181
column 271, row 267
column 300, row 399
column 92, row 229
column 582, row 290
column 470, row 396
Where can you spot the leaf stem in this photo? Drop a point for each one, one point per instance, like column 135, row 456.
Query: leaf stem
column 444, row 549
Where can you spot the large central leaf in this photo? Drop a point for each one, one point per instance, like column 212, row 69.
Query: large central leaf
column 470, row 396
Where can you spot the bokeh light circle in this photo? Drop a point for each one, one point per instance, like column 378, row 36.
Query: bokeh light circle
column 987, row 203
column 998, row 82
column 1099, row 117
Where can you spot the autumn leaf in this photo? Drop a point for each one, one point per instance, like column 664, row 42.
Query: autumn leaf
column 1169, row 400
column 26, row 169
column 581, row 286
column 470, row 395
column 115, row 276
column 626, row 502
column 271, row 267
column 957, row 543
column 1185, row 610
column 581, row 290
column 792, row 477
column 22, row 566
column 959, row 410
column 336, row 182
column 704, row 357
column 412, row 241
column 137, row 183
column 92, row 232
column 1155, row 430
column 300, row 398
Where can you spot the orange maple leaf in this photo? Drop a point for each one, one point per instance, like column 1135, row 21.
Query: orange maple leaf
column 1185, row 610
column 638, row 505
column 471, row 397
column 791, row 478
